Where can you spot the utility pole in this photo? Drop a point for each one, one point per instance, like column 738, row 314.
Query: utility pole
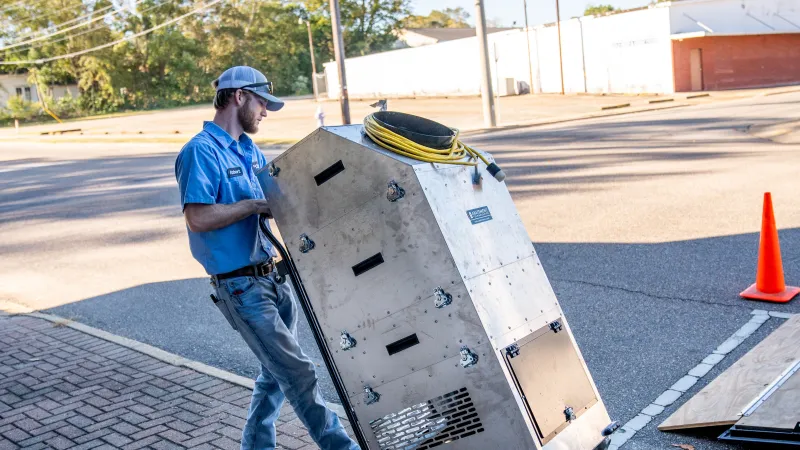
column 338, row 50
column 528, row 40
column 560, row 58
column 486, row 83
column 313, row 62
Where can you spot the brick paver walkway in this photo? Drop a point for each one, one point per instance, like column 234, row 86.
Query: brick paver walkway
column 61, row 388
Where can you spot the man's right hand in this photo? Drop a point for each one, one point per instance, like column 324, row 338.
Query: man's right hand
column 262, row 207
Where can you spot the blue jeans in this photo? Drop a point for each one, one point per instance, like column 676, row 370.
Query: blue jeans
column 265, row 314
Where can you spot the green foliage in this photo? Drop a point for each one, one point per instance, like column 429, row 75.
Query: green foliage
column 19, row 108
column 597, row 10
column 447, row 18
column 65, row 107
column 176, row 64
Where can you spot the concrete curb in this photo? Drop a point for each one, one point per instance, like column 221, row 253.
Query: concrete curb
column 9, row 308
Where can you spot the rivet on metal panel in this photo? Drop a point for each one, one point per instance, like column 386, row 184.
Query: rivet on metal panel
column 370, row 396
column 570, row 414
column 347, row 342
column 468, row 357
column 512, row 350
column 306, row 244
column 442, row 298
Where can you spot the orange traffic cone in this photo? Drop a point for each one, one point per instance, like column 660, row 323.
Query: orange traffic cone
column 770, row 285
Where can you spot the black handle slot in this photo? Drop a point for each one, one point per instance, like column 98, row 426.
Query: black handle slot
column 329, row 173
column 367, row 264
column 403, row 344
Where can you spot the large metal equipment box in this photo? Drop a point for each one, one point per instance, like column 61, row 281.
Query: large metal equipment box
column 439, row 318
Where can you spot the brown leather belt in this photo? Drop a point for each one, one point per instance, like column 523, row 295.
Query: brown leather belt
column 259, row 270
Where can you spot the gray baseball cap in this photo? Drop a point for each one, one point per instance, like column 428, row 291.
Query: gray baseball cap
column 249, row 79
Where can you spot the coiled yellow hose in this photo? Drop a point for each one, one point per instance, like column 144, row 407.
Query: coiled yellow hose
column 459, row 153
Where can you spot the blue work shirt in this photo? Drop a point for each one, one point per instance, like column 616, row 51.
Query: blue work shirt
column 213, row 168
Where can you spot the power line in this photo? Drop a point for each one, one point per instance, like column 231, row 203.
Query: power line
column 56, row 33
column 62, row 24
column 69, row 36
column 100, row 47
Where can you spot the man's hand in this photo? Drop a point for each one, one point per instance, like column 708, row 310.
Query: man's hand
column 202, row 218
column 261, row 207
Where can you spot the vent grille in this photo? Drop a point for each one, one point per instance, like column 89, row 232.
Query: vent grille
column 430, row 424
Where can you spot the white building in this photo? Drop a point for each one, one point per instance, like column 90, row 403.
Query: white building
column 18, row 85
column 688, row 45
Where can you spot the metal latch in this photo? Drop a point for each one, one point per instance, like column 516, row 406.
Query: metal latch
column 347, row 341
column 468, row 357
column 512, row 350
column 394, row 192
column 555, row 326
column 306, row 244
column 570, row 414
column 273, row 170
column 370, row 396
column 442, row 298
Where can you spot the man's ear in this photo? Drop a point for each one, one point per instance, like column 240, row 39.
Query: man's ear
column 239, row 97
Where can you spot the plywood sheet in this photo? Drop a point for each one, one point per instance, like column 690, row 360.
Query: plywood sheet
column 781, row 410
column 724, row 399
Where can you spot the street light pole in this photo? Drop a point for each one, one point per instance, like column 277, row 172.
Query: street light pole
column 487, row 96
column 313, row 62
column 338, row 50
column 528, row 39
column 560, row 58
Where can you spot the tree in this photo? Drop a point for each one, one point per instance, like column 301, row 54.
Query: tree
column 175, row 65
column 19, row 108
column 447, row 18
column 597, row 10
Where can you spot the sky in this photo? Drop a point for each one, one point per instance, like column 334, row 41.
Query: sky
column 506, row 12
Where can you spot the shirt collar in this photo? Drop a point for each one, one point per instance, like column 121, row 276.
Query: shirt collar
column 225, row 139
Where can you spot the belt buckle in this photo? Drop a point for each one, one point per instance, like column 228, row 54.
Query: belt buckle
column 264, row 269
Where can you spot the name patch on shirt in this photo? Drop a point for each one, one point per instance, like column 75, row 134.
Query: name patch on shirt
column 255, row 165
column 235, row 172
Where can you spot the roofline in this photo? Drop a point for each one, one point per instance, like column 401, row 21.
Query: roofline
column 702, row 34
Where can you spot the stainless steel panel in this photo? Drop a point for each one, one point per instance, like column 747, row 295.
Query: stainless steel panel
column 301, row 206
column 440, row 333
column 482, row 247
column 504, row 426
column 513, row 300
column 416, row 261
column 552, row 377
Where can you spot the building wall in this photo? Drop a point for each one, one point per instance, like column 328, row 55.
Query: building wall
column 623, row 53
column 734, row 16
column 9, row 85
column 630, row 52
column 730, row 62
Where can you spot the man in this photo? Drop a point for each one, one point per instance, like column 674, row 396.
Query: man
column 221, row 200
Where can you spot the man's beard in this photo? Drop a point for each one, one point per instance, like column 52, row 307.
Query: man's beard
column 247, row 118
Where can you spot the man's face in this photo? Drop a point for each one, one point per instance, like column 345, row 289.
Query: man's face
column 251, row 112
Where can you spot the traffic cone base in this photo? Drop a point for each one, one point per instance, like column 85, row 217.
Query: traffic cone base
column 752, row 293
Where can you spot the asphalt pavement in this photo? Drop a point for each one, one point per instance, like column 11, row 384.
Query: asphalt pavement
column 647, row 225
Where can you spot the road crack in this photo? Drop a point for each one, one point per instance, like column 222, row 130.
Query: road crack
column 648, row 294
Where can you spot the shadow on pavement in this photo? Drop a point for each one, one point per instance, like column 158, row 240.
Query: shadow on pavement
column 52, row 189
